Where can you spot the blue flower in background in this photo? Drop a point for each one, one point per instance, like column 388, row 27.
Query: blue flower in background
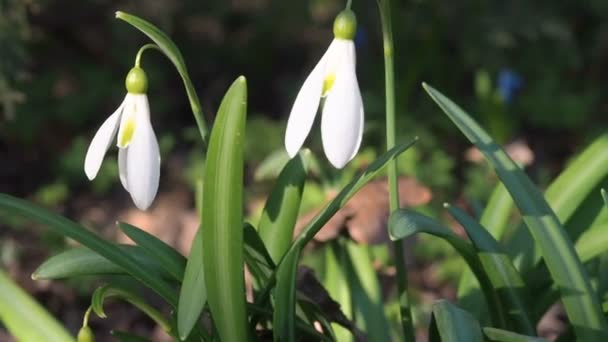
column 509, row 82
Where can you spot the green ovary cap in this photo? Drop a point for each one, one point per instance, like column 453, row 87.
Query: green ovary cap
column 85, row 335
column 345, row 25
column 136, row 81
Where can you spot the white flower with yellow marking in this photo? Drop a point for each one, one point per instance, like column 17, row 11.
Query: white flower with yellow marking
column 138, row 153
column 334, row 79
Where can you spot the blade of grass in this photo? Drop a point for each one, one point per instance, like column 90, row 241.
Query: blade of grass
column 578, row 297
column 24, row 318
column 222, row 217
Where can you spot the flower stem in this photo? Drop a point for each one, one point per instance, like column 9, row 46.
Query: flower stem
column 85, row 319
column 389, row 74
column 349, row 3
column 141, row 51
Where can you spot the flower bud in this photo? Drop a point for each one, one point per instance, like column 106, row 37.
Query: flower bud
column 85, row 335
column 136, row 81
column 345, row 25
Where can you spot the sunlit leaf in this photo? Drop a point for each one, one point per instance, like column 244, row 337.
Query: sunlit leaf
column 578, row 297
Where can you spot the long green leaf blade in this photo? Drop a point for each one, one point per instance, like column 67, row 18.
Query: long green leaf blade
column 284, row 316
column 504, row 277
column 336, row 283
column 452, row 324
column 500, row 335
column 347, row 192
column 24, row 318
column 88, row 239
column 580, row 302
column 281, row 210
column 495, row 218
column 193, row 294
column 169, row 48
column 405, row 222
column 257, row 257
column 170, row 259
column 368, row 306
column 222, row 217
column 565, row 195
column 81, row 261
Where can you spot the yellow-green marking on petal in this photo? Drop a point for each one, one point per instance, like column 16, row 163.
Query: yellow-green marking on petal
column 127, row 132
column 328, row 83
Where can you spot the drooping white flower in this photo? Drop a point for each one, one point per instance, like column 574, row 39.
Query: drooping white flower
column 333, row 78
column 138, row 152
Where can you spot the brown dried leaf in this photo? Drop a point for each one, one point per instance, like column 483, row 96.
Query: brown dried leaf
column 365, row 216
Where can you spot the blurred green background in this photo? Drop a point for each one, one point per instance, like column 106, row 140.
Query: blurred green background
column 528, row 70
column 534, row 73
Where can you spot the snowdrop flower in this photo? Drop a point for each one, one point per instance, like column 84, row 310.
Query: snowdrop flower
column 138, row 153
column 333, row 79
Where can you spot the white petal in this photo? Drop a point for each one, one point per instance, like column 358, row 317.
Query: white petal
column 305, row 106
column 143, row 158
column 101, row 142
column 122, row 167
column 342, row 118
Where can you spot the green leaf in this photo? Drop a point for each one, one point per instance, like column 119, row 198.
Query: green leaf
column 285, row 298
column 368, row 306
column 336, row 283
column 281, row 210
column 256, row 256
column 88, row 239
column 505, row 279
column 107, row 291
column 452, row 324
column 405, row 222
column 566, row 194
column 347, row 192
column 580, row 302
column 592, row 242
column 168, row 47
column 334, row 205
column 167, row 257
column 222, row 217
column 495, row 218
column 500, row 335
column 604, row 196
column 193, row 294
column 24, row 318
column 81, row 261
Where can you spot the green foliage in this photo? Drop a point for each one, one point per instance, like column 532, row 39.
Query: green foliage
column 554, row 251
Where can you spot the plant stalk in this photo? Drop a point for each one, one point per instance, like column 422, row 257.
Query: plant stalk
column 393, row 184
